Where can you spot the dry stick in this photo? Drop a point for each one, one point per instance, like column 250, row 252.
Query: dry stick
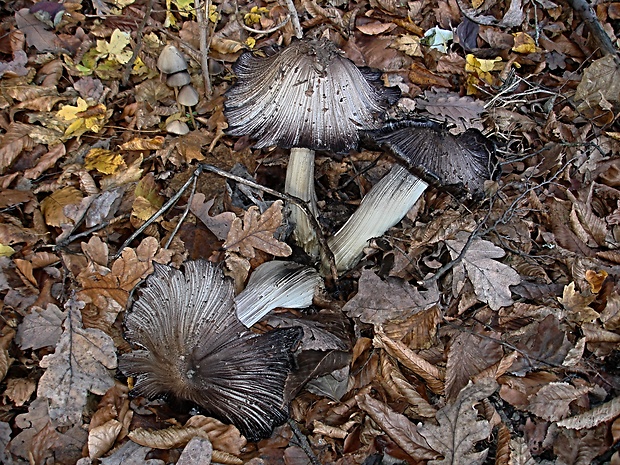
column 583, row 8
column 89, row 231
column 303, row 442
column 290, row 4
column 203, row 24
column 289, row 198
column 261, row 31
column 187, row 207
column 165, row 207
column 138, row 47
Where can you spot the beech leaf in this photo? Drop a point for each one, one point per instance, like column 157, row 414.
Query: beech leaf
column 552, row 401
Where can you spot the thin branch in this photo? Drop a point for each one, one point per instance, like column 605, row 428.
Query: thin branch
column 203, row 25
column 302, row 440
column 584, row 10
column 138, row 47
column 187, row 208
column 165, row 207
column 263, row 31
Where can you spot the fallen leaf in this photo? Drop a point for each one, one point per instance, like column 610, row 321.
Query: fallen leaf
column 459, row 430
column 104, row 161
column 217, row 224
column 491, row 279
column 80, row 364
column 40, row 328
column 53, row 205
column 19, row 390
column 552, row 401
column 198, row 451
column 15, row 140
column 101, row 438
column 257, row 232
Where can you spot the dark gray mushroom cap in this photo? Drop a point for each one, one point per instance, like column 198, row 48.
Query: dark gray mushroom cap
column 192, row 346
column 441, row 159
column 306, row 95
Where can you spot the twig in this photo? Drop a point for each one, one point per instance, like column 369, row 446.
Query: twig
column 584, row 10
column 89, row 231
column 138, row 47
column 263, row 31
column 290, row 4
column 291, row 199
column 187, row 207
column 203, row 24
column 303, row 442
column 165, row 207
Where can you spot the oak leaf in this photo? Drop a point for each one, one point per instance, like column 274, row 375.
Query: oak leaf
column 491, row 279
column 80, row 364
column 257, row 232
column 459, row 429
column 40, row 328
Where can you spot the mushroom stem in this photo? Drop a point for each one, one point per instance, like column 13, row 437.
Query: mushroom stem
column 276, row 284
column 385, row 205
column 300, row 184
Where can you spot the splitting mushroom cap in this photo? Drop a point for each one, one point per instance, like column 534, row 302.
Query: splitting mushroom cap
column 441, row 159
column 193, row 347
column 171, row 61
column 307, row 95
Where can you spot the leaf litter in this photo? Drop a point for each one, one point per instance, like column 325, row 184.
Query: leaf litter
column 472, row 332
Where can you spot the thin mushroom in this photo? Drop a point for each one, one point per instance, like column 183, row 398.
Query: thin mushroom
column 276, row 284
column 188, row 97
column 459, row 163
column 190, row 345
column 305, row 97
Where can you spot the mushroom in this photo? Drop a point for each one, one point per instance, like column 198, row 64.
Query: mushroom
column 180, row 79
column 461, row 163
column 171, row 60
column 276, row 284
column 191, row 346
column 188, row 97
column 177, row 127
column 305, row 97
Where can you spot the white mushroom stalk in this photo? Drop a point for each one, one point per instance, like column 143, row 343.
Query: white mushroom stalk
column 459, row 163
column 305, row 97
column 276, row 284
column 383, row 207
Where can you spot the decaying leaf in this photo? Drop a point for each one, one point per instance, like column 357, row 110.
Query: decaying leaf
column 552, row 401
column 459, row 429
column 594, row 417
column 80, row 364
column 257, row 232
column 101, row 438
column 491, row 279
column 40, row 328
column 218, row 224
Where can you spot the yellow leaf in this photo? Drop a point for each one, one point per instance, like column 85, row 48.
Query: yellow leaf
column 68, row 112
column 214, row 16
column 250, row 42
column 104, row 161
column 83, row 118
column 53, row 206
column 6, row 250
column 115, row 49
column 524, row 43
column 483, row 68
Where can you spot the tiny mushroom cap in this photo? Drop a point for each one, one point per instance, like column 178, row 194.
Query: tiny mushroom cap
column 276, row 284
column 305, row 97
column 188, row 96
column 180, row 79
column 460, row 163
column 171, row 60
column 177, row 127
column 189, row 345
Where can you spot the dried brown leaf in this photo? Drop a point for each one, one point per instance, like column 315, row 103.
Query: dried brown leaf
column 198, row 451
column 591, row 418
column 19, row 390
column 53, row 206
column 503, row 455
column 102, row 437
column 80, row 364
column 217, row 224
column 6, row 360
column 469, row 355
column 552, row 401
column 225, row 438
column 520, row 452
column 427, row 371
column 16, row 140
column 601, row 81
column 491, row 279
column 169, row 438
column 444, row 104
column 257, row 232
column 378, row 301
column 398, row 427
column 459, row 429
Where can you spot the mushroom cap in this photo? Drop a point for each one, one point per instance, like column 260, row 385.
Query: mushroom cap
column 306, row 95
column 180, row 79
column 441, row 159
column 177, row 127
column 171, row 61
column 191, row 346
column 188, row 96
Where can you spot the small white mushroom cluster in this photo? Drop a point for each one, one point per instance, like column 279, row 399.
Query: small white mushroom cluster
column 172, row 63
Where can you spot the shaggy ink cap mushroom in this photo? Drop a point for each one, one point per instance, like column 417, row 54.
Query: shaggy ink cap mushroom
column 190, row 345
column 171, row 60
column 276, row 284
column 305, row 97
column 459, row 163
